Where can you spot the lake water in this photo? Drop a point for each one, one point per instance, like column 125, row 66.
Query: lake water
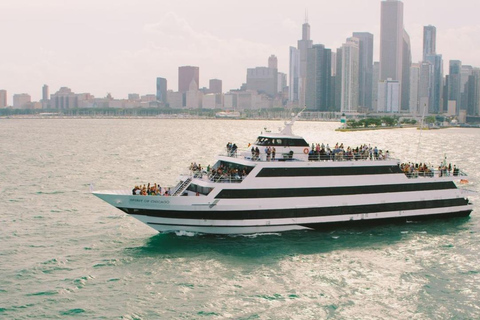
column 66, row 254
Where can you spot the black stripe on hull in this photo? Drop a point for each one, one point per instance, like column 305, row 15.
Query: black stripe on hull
column 349, row 223
column 333, row 191
column 399, row 220
column 328, row 171
column 298, row 212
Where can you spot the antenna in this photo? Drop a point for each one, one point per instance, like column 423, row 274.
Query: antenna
column 306, row 15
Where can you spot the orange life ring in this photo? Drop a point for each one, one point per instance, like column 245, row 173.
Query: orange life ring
column 305, row 150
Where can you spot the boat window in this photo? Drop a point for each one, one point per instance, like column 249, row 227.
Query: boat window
column 296, row 143
column 202, row 190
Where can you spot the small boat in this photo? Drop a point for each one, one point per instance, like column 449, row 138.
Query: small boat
column 281, row 184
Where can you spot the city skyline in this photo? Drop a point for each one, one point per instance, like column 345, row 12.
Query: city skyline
column 100, row 48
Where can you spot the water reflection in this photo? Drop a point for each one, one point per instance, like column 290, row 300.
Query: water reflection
column 271, row 247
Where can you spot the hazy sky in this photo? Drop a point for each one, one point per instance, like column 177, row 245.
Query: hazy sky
column 121, row 46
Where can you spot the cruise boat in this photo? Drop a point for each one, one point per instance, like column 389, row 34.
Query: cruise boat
column 296, row 188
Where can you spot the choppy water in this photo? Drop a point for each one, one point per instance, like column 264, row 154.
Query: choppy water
column 67, row 254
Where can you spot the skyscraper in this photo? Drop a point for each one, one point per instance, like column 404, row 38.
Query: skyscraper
column 391, row 40
column 454, row 84
column 161, row 93
column 294, row 74
column 215, row 86
column 365, row 69
column 395, row 52
column 437, row 82
column 350, row 75
column 414, row 85
column 429, row 41
column 303, row 46
column 3, row 98
column 263, row 80
column 186, row 75
column 273, row 62
column 44, row 93
column 388, row 96
column 406, row 63
column 319, row 79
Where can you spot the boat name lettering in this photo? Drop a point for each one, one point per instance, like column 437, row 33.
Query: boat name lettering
column 150, row 201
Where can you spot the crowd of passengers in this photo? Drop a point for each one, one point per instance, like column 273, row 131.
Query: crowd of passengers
column 269, row 151
column 227, row 173
column 422, row 170
column 150, row 190
column 339, row 152
column 232, row 149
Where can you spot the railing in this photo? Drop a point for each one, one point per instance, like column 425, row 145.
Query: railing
column 180, row 187
column 436, row 173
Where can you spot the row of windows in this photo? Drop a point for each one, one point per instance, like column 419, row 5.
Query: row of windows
column 264, row 141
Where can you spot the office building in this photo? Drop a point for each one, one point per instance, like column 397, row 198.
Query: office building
column 365, row 69
column 375, row 80
column 436, row 90
column 389, row 96
column 303, row 46
column 215, row 86
column 21, row 100
column 319, row 70
column 263, row 80
column 161, row 90
column 391, row 40
column 350, row 75
column 406, row 63
column 395, row 51
column 453, row 82
column 3, row 98
column 414, row 83
column 294, row 75
column 429, row 41
column 186, row 75
column 273, row 62
column 66, row 99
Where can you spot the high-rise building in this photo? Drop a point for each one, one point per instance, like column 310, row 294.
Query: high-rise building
column 215, row 86
column 350, row 75
column 303, row 47
column 273, row 62
column 414, row 83
column 406, row 63
column 294, row 75
column 454, row 92
column 3, row 98
column 45, row 93
column 21, row 100
column 365, row 69
column 337, row 82
column 424, row 88
column 318, row 93
column 375, row 80
column 161, row 93
column 263, row 80
column 436, row 90
column 429, row 41
column 391, row 40
column 395, row 52
column 64, row 99
column 389, row 96
column 186, row 75
column 281, row 81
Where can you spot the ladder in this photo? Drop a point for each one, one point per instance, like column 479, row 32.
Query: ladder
column 181, row 186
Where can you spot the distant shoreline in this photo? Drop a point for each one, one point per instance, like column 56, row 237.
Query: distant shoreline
column 182, row 117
